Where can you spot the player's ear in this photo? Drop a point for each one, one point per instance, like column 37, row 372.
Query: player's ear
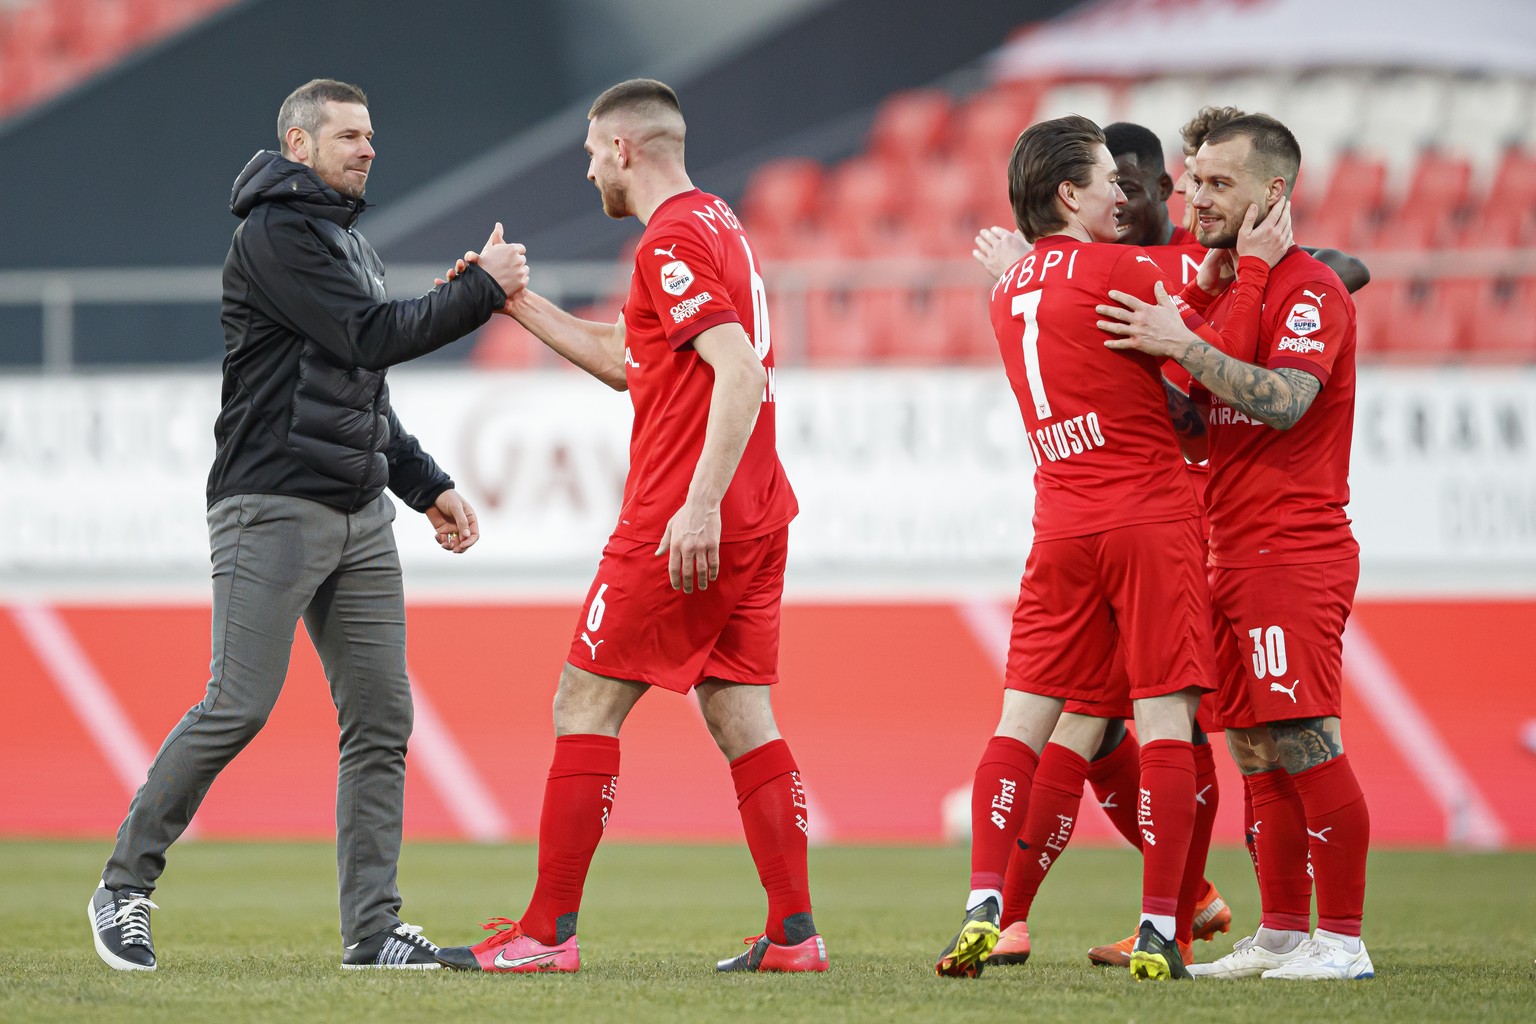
column 1164, row 187
column 1276, row 190
column 1067, row 193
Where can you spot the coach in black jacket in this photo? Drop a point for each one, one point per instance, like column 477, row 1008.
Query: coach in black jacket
column 298, row 520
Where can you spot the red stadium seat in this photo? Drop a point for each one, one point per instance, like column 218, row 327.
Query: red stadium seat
column 1373, row 313
column 1409, row 231
column 1357, row 186
column 1514, row 184
column 1499, row 226
column 909, row 125
column 1419, row 325
column 916, row 326
column 1503, row 328
column 862, row 196
column 942, row 192
column 986, row 126
column 1440, row 183
column 781, row 195
column 837, row 330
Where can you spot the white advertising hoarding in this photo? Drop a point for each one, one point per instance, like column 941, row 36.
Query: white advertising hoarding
column 908, row 479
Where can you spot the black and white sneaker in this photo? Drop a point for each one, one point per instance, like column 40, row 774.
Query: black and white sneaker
column 401, row 947
column 120, row 925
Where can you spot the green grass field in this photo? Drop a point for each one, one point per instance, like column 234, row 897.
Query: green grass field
column 247, row 932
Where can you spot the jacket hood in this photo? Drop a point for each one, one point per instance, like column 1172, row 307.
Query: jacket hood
column 271, row 178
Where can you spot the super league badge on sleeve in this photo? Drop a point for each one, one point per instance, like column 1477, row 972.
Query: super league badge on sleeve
column 1305, row 318
column 676, row 277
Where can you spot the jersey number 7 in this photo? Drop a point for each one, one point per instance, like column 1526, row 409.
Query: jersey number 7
column 1027, row 306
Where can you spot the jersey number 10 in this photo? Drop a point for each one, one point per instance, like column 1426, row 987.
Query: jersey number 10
column 761, row 340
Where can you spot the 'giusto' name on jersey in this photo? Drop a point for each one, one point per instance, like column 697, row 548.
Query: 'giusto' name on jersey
column 1053, row 442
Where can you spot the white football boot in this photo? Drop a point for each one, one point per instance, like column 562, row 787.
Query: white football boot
column 1248, row 959
column 1324, row 957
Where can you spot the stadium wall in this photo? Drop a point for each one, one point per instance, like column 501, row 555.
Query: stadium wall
column 914, row 489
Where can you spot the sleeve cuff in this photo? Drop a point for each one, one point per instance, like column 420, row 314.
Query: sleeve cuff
column 1297, row 363
column 688, row 332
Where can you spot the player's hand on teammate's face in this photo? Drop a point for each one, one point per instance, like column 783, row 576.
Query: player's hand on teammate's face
column 1156, row 328
column 997, row 249
column 1269, row 239
column 691, row 543
column 453, row 522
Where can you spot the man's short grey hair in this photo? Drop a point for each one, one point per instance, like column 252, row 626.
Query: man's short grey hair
column 305, row 107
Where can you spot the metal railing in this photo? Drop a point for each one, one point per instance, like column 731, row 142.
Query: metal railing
column 60, row 294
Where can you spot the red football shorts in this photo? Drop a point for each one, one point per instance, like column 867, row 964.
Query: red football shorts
column 1142, row 587
column 1280, row 640
column 635, row 626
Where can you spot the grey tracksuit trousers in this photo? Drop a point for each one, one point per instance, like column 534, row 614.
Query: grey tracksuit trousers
column 276, row 559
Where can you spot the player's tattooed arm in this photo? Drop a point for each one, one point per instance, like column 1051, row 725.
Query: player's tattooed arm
column 1274, row 397
column 1306, row 742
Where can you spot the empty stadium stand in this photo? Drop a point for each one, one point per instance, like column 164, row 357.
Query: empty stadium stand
column 1410, row 170
column 48, row 45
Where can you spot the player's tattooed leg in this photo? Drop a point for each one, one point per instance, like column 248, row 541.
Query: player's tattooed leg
column 1306, row 742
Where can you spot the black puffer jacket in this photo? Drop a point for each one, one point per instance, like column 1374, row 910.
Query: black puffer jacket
column 308, row 335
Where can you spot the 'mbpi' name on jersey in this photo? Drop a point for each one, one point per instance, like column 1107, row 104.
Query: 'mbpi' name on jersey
column 1063, row 440
column 689, row 306
column 1022, row 273
column 717, row 211
column 1300, row 345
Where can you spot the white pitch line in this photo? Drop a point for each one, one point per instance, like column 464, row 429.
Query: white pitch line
column 452, row 776
column 1469, row 820
column 86, row 693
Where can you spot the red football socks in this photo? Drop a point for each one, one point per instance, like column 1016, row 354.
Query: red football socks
column 578, row 798
column 1250, row 838
column 1339, row 834
column 1166, row 816
column 1280, row 837
column 1116, row 779
column 1207, row 798
column 1054, row 802
column 773, row 813
column 999, row 796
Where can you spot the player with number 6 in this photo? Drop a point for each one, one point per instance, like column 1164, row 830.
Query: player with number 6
column 687, row 594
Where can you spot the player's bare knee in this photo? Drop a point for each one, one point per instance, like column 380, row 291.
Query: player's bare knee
column 1252, row 750
column 1081, row 734
column 1170, row 716
column 589, row 704
column 739, row 717
column 1028, row 718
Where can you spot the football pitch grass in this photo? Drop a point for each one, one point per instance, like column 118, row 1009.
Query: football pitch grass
column 247, row 932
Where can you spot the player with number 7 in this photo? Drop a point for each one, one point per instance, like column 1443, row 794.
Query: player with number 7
column 1119, row 555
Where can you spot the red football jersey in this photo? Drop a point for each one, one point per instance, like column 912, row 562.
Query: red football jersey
column 1179, row 262
column 694, row 269
column 1277, row 497
column 1097, row 420
column 1183, row 236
